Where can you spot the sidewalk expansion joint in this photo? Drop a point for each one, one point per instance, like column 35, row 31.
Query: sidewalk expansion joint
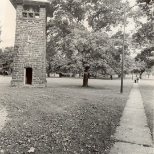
column 144, row 145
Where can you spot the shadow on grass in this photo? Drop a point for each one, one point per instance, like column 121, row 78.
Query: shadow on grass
column 80, row 87
column 99, row 78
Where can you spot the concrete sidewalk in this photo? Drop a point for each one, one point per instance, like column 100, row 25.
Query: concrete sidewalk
column 133, row 135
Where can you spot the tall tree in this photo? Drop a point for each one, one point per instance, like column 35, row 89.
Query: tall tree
column 144, row 38
column 144, row 57
column 89, row 47
column 65, row 15
column 6, row 58
column 84, row 49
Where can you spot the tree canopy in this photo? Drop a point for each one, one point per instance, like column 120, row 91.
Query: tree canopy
column 6, row 58
column 147, row 7
column 144, row 35
column 144, row 38
column 78, row 36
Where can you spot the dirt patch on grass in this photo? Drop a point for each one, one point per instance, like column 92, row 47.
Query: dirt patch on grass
column 3, row 117
column 63, row 118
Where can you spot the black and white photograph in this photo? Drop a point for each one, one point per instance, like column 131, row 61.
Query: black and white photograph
column 76, row 76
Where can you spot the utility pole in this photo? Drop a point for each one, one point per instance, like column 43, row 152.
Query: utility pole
column 123, row 49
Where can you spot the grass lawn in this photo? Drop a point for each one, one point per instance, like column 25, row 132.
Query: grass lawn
column 147, row 92
column 63, row 118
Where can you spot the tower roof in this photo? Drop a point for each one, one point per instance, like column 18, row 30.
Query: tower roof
column 39, row 2
column 14, row 2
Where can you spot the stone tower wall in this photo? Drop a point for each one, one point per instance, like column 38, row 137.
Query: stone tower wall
column 30, row 48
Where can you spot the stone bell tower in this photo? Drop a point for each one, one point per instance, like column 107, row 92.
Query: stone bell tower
column 29, row 66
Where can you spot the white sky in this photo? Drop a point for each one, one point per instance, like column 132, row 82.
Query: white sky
column 7, row 21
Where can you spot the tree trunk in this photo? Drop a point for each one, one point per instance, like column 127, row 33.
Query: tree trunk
column 85, row 79
column 95, row 75
column 148, row 75
column 141, row 72
column 48, row 71
column 79, row 74
column 140, row 75
column 111, row 77
column 74, row 74
column 60, row 75
column 48, row 74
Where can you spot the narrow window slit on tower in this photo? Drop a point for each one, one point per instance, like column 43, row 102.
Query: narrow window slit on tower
column 31, row 11
column 28, row 75
column 37, row 15
column 31, row 15
column 24, row 14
